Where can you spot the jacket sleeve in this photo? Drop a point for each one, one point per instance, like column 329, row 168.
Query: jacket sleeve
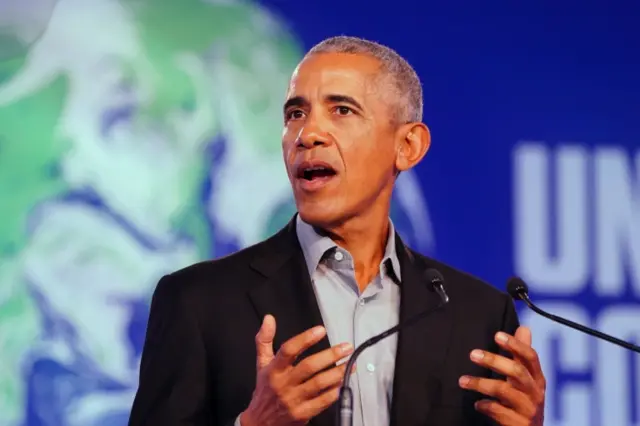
column 510, row 321
column 174, row 382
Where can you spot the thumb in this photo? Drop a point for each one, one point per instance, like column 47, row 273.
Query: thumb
column 264, row 341
column 523, row 334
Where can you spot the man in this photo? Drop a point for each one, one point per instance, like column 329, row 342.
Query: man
column 336, row 275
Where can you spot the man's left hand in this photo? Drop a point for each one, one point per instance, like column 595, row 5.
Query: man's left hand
column 519, row 400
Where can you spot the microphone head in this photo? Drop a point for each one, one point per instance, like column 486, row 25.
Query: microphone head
column 434, row 278
column 517, row 288
column 436, row 284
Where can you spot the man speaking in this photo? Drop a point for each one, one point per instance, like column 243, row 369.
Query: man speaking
column 258, row 338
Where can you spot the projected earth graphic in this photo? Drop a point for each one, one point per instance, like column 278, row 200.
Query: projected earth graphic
column 128, row 151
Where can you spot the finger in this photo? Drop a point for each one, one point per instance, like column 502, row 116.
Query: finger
column 312, row 407
column 501, row 390
column 501, row 414
column 320, row 361
column 293, row 347
column 523, row 353
column 323, row 381
column 506, row 367
column 523, row 334
column 264, row 341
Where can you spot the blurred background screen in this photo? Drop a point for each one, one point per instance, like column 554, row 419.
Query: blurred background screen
column 137, row 137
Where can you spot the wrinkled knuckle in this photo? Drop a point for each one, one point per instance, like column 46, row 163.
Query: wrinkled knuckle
column 519, row 370
column 329, row 397
column 306, row 368
column 533, row 356
column 503, row 390
column 287, row 349
column 530, row 411
column 530, row 415
column 313, row 384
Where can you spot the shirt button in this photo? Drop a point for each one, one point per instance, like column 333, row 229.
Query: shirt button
column 362, row 302
column 371, row 368
column 338, row 256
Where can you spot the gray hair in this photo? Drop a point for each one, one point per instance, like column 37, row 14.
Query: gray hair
column 403, row 76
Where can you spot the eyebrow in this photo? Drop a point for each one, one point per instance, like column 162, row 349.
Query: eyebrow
column 296, row 101
column 301, row 101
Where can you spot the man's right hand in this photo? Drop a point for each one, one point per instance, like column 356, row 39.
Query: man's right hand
column 291, row 395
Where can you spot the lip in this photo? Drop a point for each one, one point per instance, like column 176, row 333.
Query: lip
column 314, row 185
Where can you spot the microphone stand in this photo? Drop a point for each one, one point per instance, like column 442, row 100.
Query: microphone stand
column 524, row 296
column 345, row 414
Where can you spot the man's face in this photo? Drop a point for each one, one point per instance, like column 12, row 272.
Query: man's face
column 339, row 139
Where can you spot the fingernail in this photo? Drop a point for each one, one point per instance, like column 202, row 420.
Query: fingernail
column 345, row 348
column 477, row 355
column 502, row 337
column 464, row 380
column 318, row 331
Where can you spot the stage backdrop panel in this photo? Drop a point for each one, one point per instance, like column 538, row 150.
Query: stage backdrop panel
column 138, row 137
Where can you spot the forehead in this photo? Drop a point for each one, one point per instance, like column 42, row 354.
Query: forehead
column 340, row 73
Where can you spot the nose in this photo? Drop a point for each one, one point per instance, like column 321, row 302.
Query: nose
column 312, row 135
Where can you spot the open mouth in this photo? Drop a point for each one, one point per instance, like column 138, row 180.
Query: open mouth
column 315, row 172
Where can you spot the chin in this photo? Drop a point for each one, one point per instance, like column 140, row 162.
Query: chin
column 320, row 215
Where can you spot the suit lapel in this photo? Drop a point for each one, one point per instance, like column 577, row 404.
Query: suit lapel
column 422, row 347
column 288, row 295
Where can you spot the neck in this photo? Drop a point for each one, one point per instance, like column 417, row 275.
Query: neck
column 365, row 238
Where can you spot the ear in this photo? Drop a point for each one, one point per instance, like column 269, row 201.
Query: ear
column 414, row 140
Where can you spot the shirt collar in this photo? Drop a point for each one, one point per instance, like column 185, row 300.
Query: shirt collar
column 314, row 246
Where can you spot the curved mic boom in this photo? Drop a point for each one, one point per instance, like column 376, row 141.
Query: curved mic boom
column 519, row 290
column 345, row 413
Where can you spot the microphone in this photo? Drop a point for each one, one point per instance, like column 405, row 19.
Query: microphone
column 345, row 413
column 519, row 290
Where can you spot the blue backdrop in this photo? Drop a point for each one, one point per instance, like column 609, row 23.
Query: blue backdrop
column 126, row 128
column 534, row 168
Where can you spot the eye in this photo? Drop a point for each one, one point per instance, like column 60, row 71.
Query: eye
column 295, row 114
column 343, row 110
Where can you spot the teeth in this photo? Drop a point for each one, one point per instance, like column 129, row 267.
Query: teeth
column 314, row 169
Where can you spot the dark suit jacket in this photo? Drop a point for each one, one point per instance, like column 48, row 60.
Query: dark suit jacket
column 198, row 364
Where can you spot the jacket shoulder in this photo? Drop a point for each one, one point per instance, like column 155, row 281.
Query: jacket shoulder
column 460, row 282
column 474, row 300
column 227, row 273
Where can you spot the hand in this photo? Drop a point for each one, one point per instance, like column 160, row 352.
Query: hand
column 291, row 395
column 520, row 399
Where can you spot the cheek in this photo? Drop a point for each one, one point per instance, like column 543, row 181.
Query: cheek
column 288, row 142
column 362, row 164
column 370, row 165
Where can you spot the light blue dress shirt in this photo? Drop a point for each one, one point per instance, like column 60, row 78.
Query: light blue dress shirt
column 353, row 316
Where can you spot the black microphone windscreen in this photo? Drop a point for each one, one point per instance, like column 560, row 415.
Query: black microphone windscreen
column 516, row 287
column 433, row 277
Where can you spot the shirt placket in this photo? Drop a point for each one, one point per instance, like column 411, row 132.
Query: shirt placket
column 366, row 368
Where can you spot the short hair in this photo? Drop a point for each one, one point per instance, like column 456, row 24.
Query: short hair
column 403, row 76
